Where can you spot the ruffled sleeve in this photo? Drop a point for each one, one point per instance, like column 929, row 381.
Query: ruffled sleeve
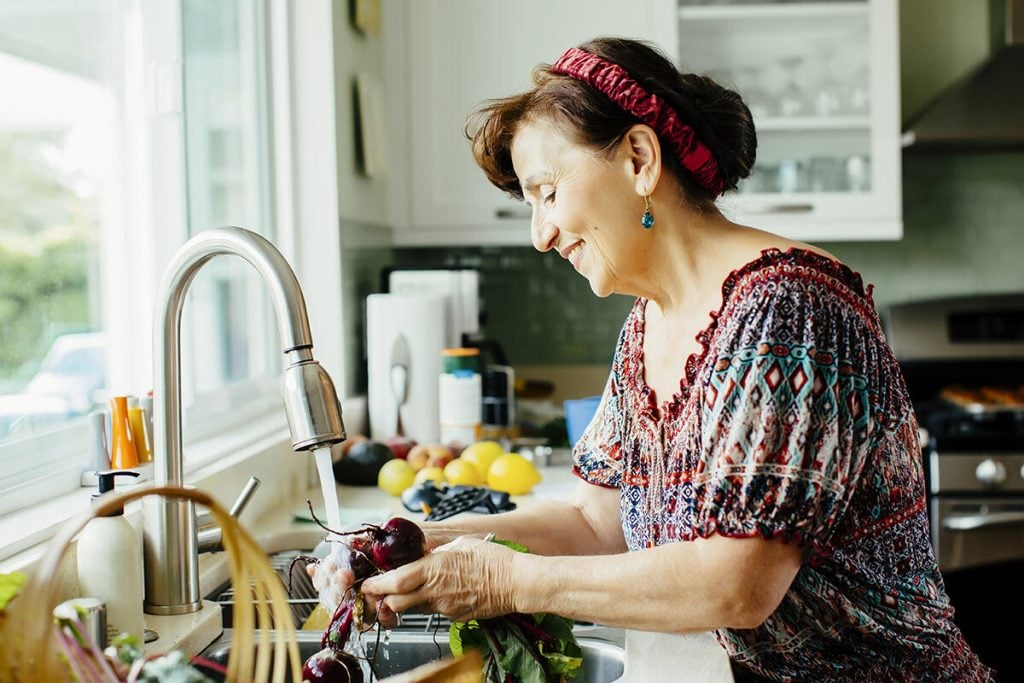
column 786, row 418
column 597, row 455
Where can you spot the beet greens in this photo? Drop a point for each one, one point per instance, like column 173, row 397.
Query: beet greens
column 534, row 648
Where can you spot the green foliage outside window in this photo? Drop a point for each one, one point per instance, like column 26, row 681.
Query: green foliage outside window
column 48, row 231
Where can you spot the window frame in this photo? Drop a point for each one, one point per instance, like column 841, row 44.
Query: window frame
column 157, row 165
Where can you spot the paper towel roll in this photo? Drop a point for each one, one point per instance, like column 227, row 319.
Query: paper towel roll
column 421, row 319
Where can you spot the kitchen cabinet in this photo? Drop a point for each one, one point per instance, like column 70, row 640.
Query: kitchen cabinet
column 822, row 82
column 449, row 56
column 821, row 79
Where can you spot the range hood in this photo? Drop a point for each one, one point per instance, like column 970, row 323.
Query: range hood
column 986, row 109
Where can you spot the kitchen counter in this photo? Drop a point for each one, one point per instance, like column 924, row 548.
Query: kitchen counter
column 557, row 481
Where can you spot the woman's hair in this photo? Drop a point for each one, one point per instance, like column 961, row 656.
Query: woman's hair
column 718, row 116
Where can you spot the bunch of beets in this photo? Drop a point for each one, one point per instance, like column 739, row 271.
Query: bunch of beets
column 370, row 550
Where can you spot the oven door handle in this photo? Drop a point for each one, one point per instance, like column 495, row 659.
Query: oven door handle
column 982, row 521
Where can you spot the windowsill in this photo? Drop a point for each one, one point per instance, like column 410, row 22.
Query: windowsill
column 23, row 534
column 259, row 447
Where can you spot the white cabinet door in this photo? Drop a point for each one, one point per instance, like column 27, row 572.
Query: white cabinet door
column 822, row 81
column 457, row 55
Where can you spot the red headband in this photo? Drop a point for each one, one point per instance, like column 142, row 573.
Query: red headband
column 620, row 88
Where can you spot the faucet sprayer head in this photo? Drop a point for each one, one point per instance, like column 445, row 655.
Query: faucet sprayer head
column 314, row 412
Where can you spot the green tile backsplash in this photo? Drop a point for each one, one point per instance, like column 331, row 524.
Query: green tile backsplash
column 536, row 305
column 963, row 230
column 963, row 234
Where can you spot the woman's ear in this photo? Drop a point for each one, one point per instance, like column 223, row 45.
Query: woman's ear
column 644, row 151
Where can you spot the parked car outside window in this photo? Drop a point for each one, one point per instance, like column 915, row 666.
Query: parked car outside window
column 70, row 381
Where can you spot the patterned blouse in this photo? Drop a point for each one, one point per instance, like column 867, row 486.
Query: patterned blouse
column 793, row 423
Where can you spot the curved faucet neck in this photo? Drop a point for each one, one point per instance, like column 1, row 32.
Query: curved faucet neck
column 171, row 547
column 289, row 305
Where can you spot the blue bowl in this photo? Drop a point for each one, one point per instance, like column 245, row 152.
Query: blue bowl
column 578, row 414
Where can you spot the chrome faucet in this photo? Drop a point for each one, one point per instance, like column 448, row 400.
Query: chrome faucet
column 171, row 546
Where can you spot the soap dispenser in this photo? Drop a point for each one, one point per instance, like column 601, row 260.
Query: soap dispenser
column 110, row 564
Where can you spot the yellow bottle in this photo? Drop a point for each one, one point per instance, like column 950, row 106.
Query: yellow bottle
column 122, row 449
column 140, row 433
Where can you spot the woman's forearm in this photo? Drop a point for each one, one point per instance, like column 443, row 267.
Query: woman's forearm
column 678, row 588
column 586, row 524
column 544, row 527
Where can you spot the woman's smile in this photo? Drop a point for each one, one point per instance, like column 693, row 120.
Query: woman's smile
column 573, row 253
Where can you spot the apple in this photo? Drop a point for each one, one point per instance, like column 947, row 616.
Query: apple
column 400, row 446
column 424, row 454
column 441, row 458
column 417, row 457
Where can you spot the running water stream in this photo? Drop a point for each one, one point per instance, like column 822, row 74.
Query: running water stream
column 325, row 469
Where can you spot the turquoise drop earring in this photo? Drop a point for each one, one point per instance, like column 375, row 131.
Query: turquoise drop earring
column 647, row 220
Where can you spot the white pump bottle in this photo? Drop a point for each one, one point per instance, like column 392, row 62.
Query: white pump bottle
column 110, row 564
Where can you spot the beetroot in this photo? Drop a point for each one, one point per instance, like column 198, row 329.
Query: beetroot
column 398, row 542
column 367, row 551
column 339, row 630
column 359, row 559
column 332, row 666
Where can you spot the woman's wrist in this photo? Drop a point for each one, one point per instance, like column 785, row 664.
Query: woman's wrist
column 526, row 588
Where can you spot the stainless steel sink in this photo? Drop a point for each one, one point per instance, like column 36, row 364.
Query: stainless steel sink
column 420, row 639
column 603, row 661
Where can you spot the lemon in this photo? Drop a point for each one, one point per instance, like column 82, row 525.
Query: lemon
column 513, row 474
column 462, row 473
column 395, row 476
column 482, row 454
column 434, row 474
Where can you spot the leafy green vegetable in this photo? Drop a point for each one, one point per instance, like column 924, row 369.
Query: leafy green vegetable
column 561, row 664
column 127, row 647
column 533, row 648
column 518, row 547
column 171, row 668
column 10, row 586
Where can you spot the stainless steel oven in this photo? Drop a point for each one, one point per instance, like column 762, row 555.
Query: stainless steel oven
column 963, row 360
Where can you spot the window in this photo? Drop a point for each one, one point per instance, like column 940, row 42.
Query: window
column 63, row 120
column 85, row 165
column 227, row 155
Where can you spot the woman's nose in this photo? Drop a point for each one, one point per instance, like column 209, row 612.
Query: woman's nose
column 544, row 233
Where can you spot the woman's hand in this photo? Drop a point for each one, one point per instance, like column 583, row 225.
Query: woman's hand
column 333, row 579
column 468, row 578
column 330, row 580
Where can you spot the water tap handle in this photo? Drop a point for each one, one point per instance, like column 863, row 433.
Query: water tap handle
column 245, row 496
column 210, row 535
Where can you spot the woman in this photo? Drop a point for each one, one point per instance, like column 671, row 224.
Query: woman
column 753, row 470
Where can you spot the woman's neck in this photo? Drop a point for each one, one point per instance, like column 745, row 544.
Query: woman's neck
column 688, row 260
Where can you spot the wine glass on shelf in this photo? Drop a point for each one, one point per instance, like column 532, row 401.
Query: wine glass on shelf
column 793, row 99
column 748, row 85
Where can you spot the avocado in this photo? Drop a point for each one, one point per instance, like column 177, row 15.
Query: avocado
column 359, row 467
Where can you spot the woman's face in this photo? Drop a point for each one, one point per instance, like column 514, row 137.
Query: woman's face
column 584, row 205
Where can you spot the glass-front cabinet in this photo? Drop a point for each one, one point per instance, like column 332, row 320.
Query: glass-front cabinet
column 822, row 82
column 821, row 78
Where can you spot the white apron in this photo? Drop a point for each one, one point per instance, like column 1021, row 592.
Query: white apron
column 656, row 657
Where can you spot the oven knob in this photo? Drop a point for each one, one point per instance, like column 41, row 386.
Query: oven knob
column 990, row 472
